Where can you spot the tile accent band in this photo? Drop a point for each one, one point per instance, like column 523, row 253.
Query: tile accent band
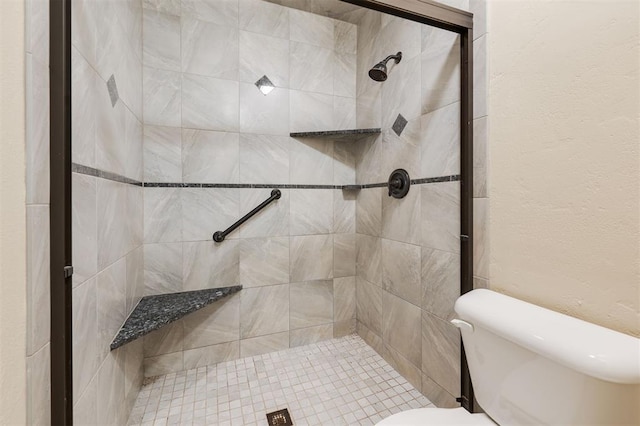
column 238, row 185
column 86, row 170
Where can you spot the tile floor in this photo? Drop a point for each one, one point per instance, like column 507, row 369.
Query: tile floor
column 336, row 382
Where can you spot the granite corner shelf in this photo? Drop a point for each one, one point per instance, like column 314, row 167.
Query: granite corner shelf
column 154, row 312
column 338, row 135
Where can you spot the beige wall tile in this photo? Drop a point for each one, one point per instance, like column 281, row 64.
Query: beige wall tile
column 440, row 141
column 440, row 282
column 264, row 344
column 437, row 395
column 407, row 369
column 39, row 387
column 401, row 322
column 210, row 157
column 264, row 261
column 344, row 298
column 162, row 268
column 216, row 323
column 165, row 340
column 311, row 160
column 264, row 114
column 209, row 265
column 264, row 158
column 441, row 216
column 401, row 217
column 161, row 40
column 210, row 355
column 273, row 221
column 264, row 310
column 204, row 209
column 481, row 237
column 311, row 258
column 209, row 49
column 311, row 211
column 368, row 261
column 344, row 211
column 372, row 339
column 401, row 270
column 369, row 305
column 441, row 352
column 210, row 103
column 344, row 255
column 221, row 12
column 264, row 18
column 306, row 336
column 85, row 336
column 369, row 212
column 344, row 328
column 311, row 304
column 84, row 227
column 111, row 410
column 85, row 411
column 38, row 278
column 163, row 364
column 111, row 303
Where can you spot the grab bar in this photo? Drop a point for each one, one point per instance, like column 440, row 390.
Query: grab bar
column 219, row 236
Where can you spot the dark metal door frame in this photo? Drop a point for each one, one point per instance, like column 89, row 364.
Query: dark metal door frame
column 60, row 212
column 437, row 15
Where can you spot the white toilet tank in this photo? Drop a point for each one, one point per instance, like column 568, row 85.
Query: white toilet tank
column 533, row 366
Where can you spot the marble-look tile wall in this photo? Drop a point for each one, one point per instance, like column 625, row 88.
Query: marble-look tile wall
column 108, row 254
column 205, row 121
column 37, row 210
column 408, row 250
column 480, row 147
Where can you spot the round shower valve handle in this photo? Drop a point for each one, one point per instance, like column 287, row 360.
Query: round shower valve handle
column 399, row 183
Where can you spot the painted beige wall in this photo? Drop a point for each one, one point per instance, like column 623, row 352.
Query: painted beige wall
column 565, row 177
column 12, row 216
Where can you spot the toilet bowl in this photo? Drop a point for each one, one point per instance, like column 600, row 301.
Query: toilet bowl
column 533, row 366
column 437, row 416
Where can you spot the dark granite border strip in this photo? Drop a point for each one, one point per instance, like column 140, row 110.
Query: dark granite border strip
column 355, row 187
column 451, row 178
column 421, row 181
column 90, row 171
column 238, row 185
column 374, row 185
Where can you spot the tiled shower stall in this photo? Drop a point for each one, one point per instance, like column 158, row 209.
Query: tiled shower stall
column 172, row 140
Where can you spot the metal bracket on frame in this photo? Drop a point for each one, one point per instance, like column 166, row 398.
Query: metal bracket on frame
column 68, row 271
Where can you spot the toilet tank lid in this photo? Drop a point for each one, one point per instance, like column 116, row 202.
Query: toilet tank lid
column 582, row 346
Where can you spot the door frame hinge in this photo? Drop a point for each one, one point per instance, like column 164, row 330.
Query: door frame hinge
column 464, row 238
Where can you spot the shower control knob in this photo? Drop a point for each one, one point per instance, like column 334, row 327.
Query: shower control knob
column 399, row 183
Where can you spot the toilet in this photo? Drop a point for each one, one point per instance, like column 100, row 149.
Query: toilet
column 533, row 366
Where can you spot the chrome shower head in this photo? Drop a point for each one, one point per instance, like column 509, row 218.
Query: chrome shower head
column 379, row 70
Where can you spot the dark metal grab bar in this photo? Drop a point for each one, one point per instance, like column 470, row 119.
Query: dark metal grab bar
column 219, row 236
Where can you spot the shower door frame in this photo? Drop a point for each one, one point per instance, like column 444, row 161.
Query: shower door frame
column 461, row 22
column 61, row 345
column 424, row 11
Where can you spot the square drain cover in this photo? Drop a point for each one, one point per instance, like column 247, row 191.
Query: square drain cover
column 279, row 418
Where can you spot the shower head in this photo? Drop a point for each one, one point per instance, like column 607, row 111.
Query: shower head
column 379, row 70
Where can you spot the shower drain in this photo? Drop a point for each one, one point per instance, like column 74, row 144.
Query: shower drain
column 279, row 418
